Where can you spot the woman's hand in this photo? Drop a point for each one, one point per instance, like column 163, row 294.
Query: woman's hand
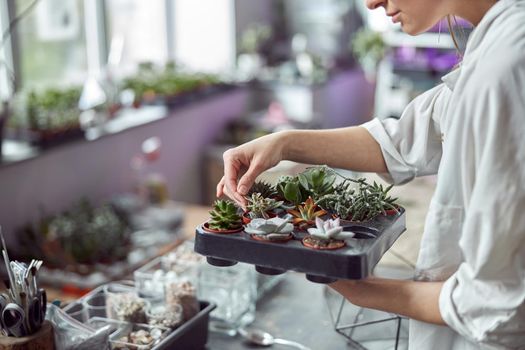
column 244, row 163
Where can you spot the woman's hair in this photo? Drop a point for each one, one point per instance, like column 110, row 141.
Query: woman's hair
column 451, row 18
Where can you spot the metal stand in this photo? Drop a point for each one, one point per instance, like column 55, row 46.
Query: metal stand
column 347, row 330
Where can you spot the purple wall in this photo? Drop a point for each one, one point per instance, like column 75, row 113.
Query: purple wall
column 99, row 169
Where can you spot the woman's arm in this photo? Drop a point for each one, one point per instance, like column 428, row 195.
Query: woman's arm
column 416, row 300
column 350, row 148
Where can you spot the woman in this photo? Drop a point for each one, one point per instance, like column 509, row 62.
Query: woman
column 469, row 288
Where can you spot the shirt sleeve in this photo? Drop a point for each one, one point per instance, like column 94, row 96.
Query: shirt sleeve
column 484, row 300
column 411, row 145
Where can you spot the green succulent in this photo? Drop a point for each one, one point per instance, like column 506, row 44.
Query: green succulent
column 259, row 206
column 265, row 189
column 318, row 181
column 341, row 201
column 289, row 188
column 371, row 200
column 224, row 216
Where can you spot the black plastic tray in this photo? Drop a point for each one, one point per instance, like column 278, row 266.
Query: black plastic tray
column 355, row 261
column 193, row 334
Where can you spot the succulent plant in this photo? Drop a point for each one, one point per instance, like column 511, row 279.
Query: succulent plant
column 318, row 181
column 272, row 229
column 341, row 201
column 259, row 206
column 329, row 230
column 370, row 201
column 265, row 189
column 289, row 188
column 306, row 213
column 224, row 216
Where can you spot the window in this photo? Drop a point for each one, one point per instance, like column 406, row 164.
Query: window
column 137, row 29
column 52, row 43
column 205, row 34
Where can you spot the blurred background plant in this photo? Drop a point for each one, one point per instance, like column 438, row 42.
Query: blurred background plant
column 84, row 234
column 49, row 109
column 153, row 84
column 369, row 49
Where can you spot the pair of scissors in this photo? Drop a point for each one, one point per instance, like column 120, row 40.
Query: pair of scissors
column 13, row 320
column 36, row 311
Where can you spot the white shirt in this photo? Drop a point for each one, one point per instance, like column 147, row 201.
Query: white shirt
column 471, row 131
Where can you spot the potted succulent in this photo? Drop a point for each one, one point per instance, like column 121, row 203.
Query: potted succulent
column 326, row 235
column 305, row 214
column 289, row 190
column 317, row 181
column 223, row 218
column 314, row 182
column 271, row 230
column 265, row 189
column 259, row 207
column 370, row 201
column 359, row 203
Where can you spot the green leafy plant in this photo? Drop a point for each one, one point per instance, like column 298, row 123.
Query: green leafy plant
column 314, row 182
column 341, row 201
column 259, row 206
column 46, row 110
column 265, row 189
column 151, row 82
column 289, row 188
column 224, row 216
column 371, row 200
column 86, row 234
column 318, row 181
column 369, row 48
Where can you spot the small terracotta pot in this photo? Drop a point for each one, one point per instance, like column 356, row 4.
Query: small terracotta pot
column 391, row 212
column 206, row 227
column 309, row 242
column 260, row 238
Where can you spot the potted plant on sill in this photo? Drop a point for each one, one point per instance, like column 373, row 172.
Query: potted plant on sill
column 305, row 214
column 271, row 230
column 47, row 117
column 259, row 207
column 223, row 218
column 327, row 235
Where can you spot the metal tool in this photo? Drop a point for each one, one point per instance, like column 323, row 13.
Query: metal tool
column 23, row 309
column 13, row 318
column 12, row 283
column 262, row 338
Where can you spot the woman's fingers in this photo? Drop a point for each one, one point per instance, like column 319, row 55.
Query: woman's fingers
column 247, row 180
column 220, row 188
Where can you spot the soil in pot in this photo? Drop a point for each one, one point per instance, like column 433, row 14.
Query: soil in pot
column 314, row 243
column 206, row 227
column 265, row 238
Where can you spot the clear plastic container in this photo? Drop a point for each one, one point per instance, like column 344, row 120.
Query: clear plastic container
column 152, row 278
column 77, row 310
column 165, row 316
